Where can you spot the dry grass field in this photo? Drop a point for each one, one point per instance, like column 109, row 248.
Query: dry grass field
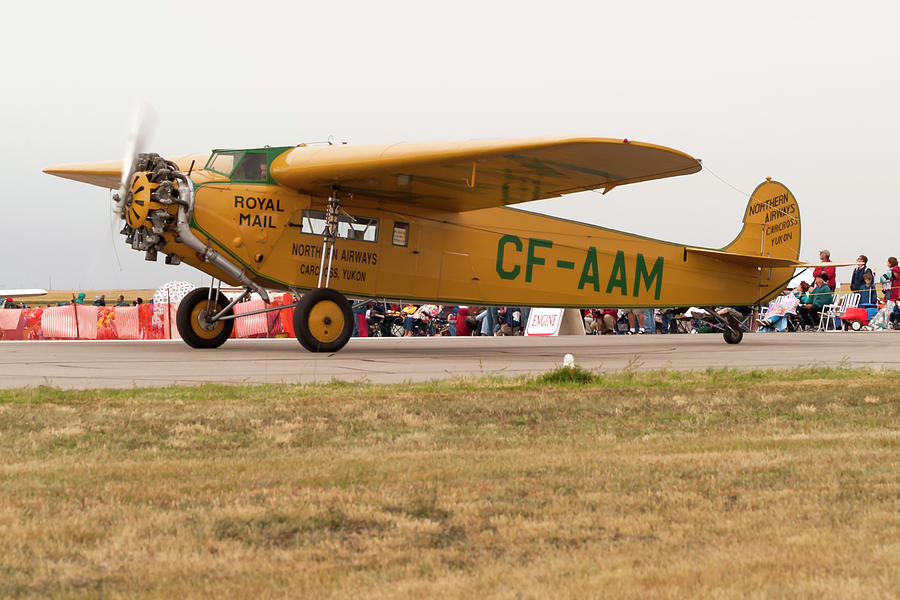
column 662, row 485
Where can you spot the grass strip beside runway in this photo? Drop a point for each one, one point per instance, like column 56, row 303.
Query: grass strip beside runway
column 661, row 484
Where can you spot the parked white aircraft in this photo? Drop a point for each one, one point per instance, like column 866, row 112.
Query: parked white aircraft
column 7, row 295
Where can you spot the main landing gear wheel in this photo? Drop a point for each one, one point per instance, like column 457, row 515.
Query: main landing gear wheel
column 323, row 320
column 193, row 319
column 733, row 335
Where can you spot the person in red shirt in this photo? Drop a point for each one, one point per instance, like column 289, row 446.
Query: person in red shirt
column 462, row 328
column 825, row 256
column 895, row 279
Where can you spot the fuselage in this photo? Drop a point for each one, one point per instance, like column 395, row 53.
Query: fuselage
column 490, row 256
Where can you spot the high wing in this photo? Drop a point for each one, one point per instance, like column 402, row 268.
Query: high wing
column 104, row 174
column 461, row 176
column 456, row 176
column 108, row 174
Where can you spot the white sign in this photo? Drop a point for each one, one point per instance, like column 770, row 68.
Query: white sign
column 544, row 321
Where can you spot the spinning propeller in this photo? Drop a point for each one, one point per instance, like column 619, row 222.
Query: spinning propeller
column 142, row 120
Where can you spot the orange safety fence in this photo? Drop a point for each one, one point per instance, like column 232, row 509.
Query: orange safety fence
column 252, row 326
column 150, row 321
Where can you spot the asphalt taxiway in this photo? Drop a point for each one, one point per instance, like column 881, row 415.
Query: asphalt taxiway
column 119, row 364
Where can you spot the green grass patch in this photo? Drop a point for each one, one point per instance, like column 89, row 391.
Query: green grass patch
column 563, row 376
column 567, row 376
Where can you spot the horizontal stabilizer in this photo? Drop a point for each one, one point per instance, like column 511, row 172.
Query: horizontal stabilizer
column 809, row 265
column 745, row 259
column 760, row 261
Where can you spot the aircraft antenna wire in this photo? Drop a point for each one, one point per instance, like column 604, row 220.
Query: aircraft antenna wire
column 713, row 173
column 781, row 211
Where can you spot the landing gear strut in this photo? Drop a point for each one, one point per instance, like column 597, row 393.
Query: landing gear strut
column 323, row 319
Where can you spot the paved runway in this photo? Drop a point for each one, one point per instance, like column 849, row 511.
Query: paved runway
column 119, row 364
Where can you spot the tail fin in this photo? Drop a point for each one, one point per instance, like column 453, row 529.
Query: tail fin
column 771, row 224
column 771, row 230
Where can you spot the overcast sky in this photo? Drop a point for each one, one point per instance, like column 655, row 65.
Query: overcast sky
column 804, row 92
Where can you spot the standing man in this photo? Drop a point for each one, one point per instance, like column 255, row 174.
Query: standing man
column 635, row 314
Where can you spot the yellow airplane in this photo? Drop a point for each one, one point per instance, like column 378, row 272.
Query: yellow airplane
column 430, row 221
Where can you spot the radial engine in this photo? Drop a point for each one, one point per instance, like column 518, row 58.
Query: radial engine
column 150, row 206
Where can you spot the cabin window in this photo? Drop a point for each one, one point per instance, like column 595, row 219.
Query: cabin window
column 251, row 168
column 401, row 234
column 349, row 228
column 223, row 162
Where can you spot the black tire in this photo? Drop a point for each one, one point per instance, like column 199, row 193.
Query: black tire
column 190, row 318
column 323, row 320
column 733, row 335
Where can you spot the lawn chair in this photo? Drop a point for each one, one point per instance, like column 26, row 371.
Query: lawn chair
column 851, row 301
column 832, row 312
column 827, row 312
column 780, row 306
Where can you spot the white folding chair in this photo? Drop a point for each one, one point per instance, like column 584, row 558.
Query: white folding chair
column 849, row 301
column 828, row 312
column 836, row 310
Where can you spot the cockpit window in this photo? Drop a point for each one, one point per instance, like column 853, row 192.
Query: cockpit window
column 223, row 162
column 251, row 168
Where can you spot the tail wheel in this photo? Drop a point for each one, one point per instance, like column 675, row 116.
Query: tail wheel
column 323, row 320
column 733, row 335
column 193, row 319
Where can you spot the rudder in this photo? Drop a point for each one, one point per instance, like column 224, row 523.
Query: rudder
column 771, row 229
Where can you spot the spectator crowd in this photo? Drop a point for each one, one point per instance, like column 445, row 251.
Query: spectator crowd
column 801, row 308
column 875, row 305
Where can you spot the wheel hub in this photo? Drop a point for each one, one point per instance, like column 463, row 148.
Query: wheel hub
column 326, row 321
column 203, row 319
